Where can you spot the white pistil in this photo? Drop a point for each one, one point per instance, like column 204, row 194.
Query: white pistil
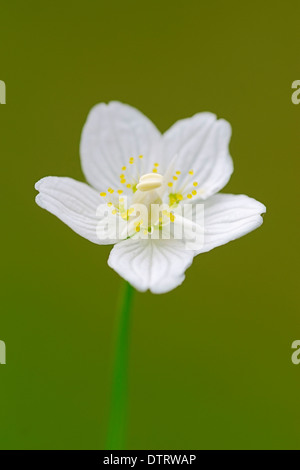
column 149, row 182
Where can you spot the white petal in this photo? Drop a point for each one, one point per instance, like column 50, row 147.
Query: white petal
column 189, row 230
column 75, row 203
column 229, row 216
column 158, row 265
column 201, row 144
column 112, row 134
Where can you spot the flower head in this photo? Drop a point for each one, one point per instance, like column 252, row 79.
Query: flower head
column 153, row 196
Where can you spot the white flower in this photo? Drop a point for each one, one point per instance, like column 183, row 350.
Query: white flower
column 123, row 153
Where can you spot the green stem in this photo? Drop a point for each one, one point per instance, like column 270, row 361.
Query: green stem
column 118, row 411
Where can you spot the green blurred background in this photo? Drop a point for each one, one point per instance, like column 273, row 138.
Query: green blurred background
column 210, row 364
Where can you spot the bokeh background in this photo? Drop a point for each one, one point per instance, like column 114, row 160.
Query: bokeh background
column 210, row 363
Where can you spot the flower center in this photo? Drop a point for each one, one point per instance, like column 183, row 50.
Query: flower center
column 146, row 212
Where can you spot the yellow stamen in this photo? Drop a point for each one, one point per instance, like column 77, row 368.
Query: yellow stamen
column 195, row 184
column 102, row 194
column 191, row 172
column 170, row 185
column 138, row 224
column 119, row 191
column 189, row 196
column 194, row 192
column 123, row 168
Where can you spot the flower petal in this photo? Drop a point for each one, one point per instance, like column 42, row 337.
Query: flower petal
column 228, row 217
column 201, row 144
column 112, row 134
column 158, row 265
column 75, row 203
